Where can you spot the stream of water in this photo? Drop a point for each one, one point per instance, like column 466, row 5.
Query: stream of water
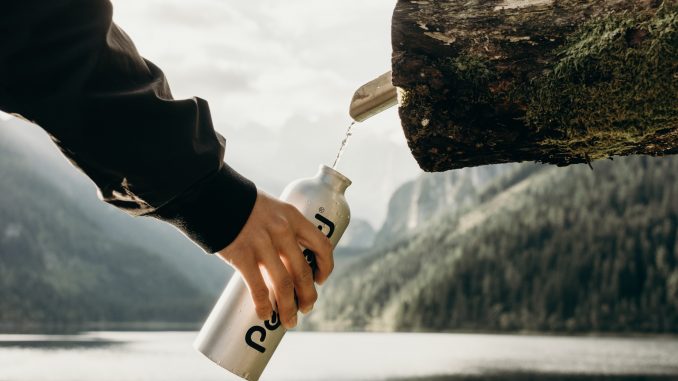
column 344, row 142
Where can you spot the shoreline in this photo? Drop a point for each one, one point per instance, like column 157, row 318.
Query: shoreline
column 66, row 329
column 60, row 329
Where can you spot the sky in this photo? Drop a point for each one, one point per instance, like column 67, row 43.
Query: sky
column 279, row 77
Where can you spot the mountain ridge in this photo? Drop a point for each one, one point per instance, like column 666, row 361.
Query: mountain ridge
column 409, row 205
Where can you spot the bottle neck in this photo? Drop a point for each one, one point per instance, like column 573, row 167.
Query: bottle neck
column 334, row 179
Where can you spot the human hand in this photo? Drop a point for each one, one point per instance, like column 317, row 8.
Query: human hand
column 268, row 248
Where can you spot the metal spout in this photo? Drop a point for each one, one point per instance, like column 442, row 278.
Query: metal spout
column 373, row 98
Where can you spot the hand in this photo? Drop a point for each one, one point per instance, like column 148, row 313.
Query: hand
column 268, row 247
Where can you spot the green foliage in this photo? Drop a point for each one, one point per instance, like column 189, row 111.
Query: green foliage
column 545, row 249
column 470, row 78
column 614, row 83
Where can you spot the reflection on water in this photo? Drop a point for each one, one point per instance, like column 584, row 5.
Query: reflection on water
column 169, row 356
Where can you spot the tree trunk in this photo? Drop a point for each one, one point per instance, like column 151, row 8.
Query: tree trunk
column 555, row 81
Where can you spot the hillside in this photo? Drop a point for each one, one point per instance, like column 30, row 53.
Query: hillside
column 65, row 257
column 541, row 248
column 42, row 158
column 419, row 201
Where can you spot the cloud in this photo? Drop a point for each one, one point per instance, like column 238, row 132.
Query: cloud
column 297, row 56
column 216, row 81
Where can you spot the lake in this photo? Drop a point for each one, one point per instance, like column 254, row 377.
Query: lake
column 169, row 356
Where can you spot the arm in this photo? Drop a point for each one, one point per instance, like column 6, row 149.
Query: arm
column 68, row 68
column 76, row 74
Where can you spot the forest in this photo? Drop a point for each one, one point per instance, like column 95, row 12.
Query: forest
column 543, row 249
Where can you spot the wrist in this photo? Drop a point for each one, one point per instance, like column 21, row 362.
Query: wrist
column 213, row 212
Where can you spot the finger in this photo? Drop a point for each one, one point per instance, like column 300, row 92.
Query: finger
column 313, row 239
column 301, row 272
column 251, row 274
column 283, row 285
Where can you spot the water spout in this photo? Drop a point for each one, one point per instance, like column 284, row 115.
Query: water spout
column 373, row 98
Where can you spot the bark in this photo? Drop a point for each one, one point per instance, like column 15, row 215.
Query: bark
column 554, row 81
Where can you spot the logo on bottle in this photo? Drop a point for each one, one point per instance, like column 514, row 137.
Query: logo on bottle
column 269, row 325
column 308, row 254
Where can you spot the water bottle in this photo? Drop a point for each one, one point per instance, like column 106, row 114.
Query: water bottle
column 233, row 336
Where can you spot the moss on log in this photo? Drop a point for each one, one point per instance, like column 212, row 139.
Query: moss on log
column 554, row 81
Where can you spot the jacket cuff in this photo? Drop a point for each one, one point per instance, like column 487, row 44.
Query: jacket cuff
column 212, row 212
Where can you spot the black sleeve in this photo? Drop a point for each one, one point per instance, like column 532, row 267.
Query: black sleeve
column 68, row 68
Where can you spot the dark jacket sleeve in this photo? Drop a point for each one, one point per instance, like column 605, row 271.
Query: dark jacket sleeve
column 68, row 68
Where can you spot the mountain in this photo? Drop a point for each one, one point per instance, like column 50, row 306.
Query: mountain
column 356, row 241
column 359, row 235
column 66, row 257
column 418, row 201
column 540, row 248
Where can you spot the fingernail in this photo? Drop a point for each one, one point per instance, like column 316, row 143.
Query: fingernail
column 293, row 321
column 307, row 309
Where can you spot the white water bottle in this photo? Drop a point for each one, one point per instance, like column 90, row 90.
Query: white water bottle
column 233, row 336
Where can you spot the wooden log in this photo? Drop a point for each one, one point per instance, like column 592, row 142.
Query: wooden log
column 554, row 81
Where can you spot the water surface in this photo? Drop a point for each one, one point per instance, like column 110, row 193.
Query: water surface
column 169, row 356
